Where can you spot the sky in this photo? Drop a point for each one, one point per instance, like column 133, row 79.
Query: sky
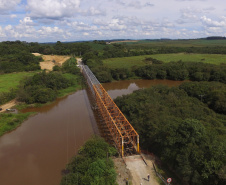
column 77, row 20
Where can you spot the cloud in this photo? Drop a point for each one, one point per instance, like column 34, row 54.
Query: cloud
column 2, row 33
column 47, row 31
column 52, row 9
column 92, row 12
column 8, row 5
column 211, row 8
column 149, row 4
column 27, row 21
column 135, row 4
column 13, row 16
column 190, row 15
column 210, row 23
column 191, row 0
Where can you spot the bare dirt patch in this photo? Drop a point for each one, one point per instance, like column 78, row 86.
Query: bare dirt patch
column 123, row 174
column 51, row 60
column 139, row 170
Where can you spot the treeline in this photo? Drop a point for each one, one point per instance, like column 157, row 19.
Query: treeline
column 155, row 69
column 92, row 165
column 59, row 48
column 15, row 57
column 124, row 50
column 195, row 71
column 69, row 66
column 187, row 135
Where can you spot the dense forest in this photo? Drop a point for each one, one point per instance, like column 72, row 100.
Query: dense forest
column 187, row 135
column 15, row 57
column 92, row 165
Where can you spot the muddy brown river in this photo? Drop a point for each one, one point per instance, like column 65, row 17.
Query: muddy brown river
column 36, row 152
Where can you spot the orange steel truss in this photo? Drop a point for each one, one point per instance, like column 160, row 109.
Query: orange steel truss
column 123, row 134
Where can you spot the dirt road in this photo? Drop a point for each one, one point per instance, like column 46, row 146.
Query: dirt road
column 8, row 105
column 139, row 170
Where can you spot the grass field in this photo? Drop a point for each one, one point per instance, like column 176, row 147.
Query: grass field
column 8, row 81
column 205, row 58
column 127, row 62
column 178, row 43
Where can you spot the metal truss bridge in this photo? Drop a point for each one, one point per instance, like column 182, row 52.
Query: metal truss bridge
column 121, row 131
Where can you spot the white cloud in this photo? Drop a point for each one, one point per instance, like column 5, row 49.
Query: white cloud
column 116, row 25
column 210, row 23
column 51, row 20
column 92, row 12
column 13, row 16
column 27, row 21
column 191, row 0
column 53, row 9
column 135, row 4
column 149, row 4
column 8, row 5
column 2, row 34
column 45, row 31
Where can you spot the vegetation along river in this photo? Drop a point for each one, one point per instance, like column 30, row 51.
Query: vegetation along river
column 36, row 152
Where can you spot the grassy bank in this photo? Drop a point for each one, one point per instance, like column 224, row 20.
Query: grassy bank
column 128, row 62
column 9, row 122
column 12, row 80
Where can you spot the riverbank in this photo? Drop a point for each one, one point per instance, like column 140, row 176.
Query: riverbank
column 48, row 139
column 11, row 120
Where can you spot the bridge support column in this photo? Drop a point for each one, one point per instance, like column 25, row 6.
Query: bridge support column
column 138, row 144
column 122, row 147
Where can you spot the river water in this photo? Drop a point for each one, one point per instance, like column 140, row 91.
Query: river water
column 36, row 152
column 119, row 88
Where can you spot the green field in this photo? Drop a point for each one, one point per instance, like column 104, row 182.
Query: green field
column 177, row 43
column 8, row 81
column 127, row 62
column 205, row 58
